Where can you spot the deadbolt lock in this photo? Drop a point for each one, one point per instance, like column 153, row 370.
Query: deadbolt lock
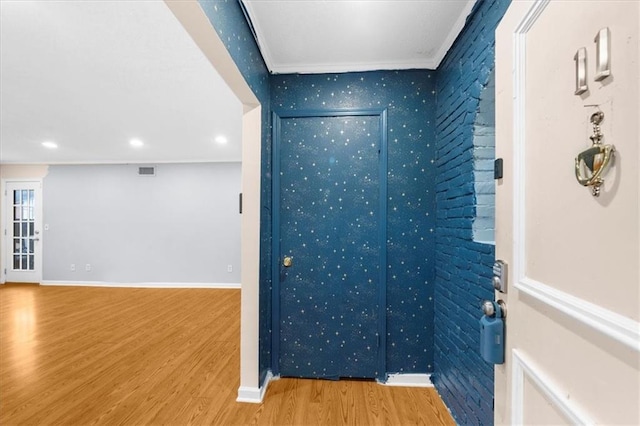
column 499, row 278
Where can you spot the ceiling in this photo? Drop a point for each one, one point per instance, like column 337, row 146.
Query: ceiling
column 92, row 75
column 316, row 36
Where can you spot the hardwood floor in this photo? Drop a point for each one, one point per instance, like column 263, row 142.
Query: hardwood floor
column 84, row 356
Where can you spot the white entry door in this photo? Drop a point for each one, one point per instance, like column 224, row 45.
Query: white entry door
column 573, row 305
column 23, row 226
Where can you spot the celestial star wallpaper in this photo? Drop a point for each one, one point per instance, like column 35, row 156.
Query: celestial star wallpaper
column 409, row 98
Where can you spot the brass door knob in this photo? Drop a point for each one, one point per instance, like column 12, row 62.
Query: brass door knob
column 287, row 261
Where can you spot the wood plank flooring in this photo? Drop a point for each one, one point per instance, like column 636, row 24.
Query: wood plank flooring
column 111, row 356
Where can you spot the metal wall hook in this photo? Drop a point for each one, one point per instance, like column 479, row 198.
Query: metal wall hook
column 597, row 117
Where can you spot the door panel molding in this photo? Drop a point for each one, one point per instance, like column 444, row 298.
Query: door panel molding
column 523, row 368
column 616, row 326
column 519, row 135
column 613, row 325
column 277, row 117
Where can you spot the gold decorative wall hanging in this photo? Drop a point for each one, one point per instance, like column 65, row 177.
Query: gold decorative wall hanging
column 592, row 163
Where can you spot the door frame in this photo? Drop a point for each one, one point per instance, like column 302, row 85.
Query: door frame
column 381, row 113
column 6, row 215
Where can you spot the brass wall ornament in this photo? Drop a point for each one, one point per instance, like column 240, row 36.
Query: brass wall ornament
column 592, row 163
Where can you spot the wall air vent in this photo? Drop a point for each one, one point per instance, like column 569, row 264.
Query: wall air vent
column 147, row 171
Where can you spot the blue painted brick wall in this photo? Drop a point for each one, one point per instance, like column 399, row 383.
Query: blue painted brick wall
column 463, row 267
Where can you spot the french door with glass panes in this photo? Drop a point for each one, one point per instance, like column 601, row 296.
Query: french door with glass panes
column 23, row 218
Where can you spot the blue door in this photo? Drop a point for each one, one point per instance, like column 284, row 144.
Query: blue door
column 331, row 183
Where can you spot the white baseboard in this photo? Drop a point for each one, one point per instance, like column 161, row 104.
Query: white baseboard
column 410, row 380
column 255, row 395
column 139, row 285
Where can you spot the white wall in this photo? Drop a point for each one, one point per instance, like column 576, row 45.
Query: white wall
column 181, row 226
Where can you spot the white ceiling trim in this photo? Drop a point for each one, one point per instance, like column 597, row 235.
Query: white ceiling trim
column 257, row 31
column 117, row 162
column 353, row 67
column 456, row 28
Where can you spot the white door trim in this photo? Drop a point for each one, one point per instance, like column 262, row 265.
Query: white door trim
column 3, row 220
column 616, row 326
column 3, row 225
column 523, row 368
column 6, row 260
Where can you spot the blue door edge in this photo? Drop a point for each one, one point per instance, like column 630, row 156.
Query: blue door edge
column 382, row 238
column 277, row 116
column 275, row 244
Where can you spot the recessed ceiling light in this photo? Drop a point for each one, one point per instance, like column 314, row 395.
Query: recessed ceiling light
column 50, row 144
column 136, row 143
column 221, row 140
